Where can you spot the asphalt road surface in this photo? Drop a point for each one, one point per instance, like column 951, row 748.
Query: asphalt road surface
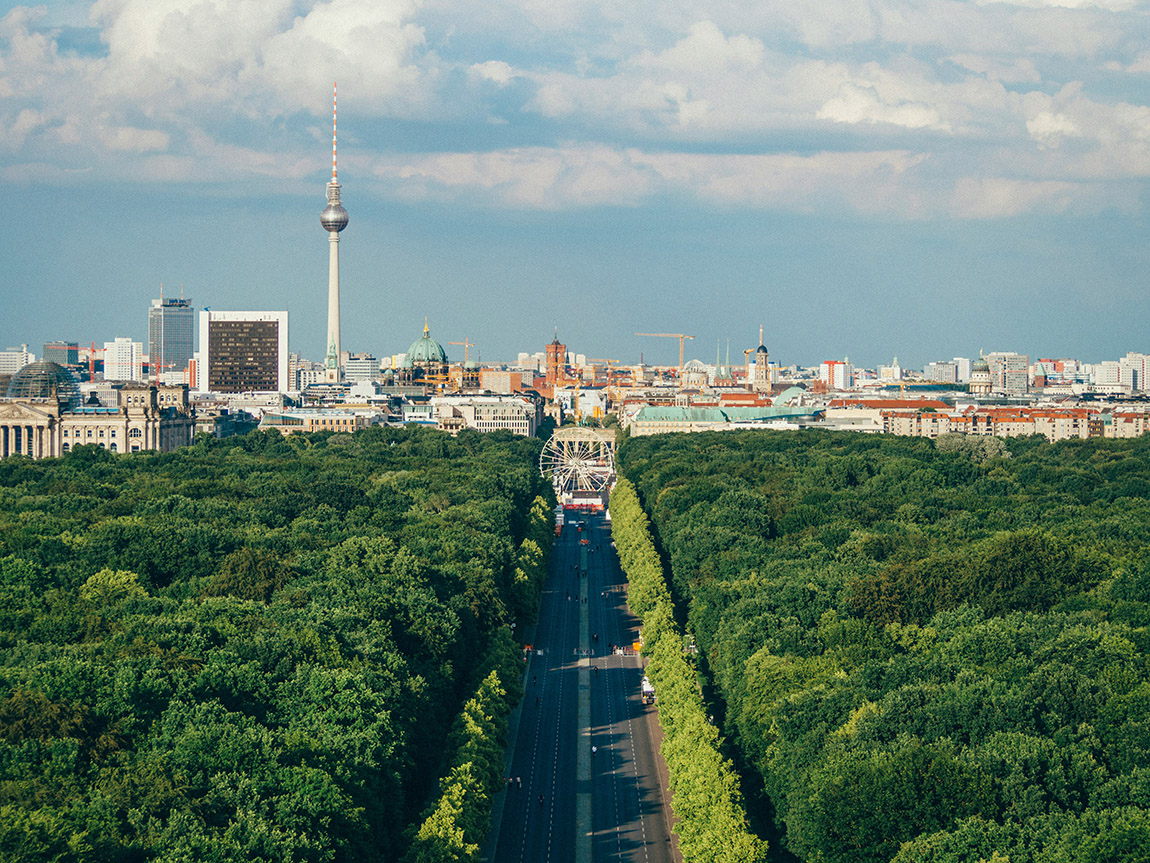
column 554, row 775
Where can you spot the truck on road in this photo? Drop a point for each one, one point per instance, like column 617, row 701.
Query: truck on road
column 647, row 691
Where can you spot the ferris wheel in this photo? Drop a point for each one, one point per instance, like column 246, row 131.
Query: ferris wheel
column 579, row 459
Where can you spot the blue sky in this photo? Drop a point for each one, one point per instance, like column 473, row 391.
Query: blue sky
column 865, row 178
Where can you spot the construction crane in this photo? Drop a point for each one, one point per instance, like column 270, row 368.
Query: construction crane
column 605, row 361
column 467, row 345
column 92, row 360
column 680, row 336
column 610, row 383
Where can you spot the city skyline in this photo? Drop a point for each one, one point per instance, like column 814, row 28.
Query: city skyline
column 863, row 184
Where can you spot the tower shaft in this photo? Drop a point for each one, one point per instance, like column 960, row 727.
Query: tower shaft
column 331, row 363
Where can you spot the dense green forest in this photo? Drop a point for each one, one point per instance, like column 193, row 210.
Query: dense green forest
column 263, row 648
column 921, row 651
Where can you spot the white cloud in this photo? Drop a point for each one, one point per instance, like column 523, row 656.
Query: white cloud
column 1000, row 197
column 1109, row 5
column 1048, row 128
column 574, row 176
column 862, row 104
column 133, row 139
column 496, row 71
column 921, row 99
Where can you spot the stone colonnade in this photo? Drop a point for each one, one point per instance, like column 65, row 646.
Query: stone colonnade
column 24, row 438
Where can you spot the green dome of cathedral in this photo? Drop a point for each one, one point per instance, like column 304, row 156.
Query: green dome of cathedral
column 425, row 350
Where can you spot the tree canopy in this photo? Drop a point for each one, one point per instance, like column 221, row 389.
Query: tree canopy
column 922, row 652
column 254, row 649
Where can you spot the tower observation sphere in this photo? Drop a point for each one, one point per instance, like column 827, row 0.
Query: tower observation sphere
column 334, row 216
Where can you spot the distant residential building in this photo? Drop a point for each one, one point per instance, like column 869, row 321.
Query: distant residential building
column 941, row 372
column 501, row 381
column 650, row 420
column 1127, row 424
column 360, row 367
column 1139, row 366
column 14, row 359
column 1009, row 373
column 305, row 420
column 243, row 352
column 891, row 373
column 486, row 413
column 837, row 375
column 1053, row 423
column 63, row 353
column 531, row 362
column 962, row 369
column 171, row 334
column 123, row 360
column 916, row 423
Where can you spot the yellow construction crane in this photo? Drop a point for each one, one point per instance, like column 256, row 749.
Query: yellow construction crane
column 607, row 362
column 610, row 382
column 680, row 336
column 466, row 348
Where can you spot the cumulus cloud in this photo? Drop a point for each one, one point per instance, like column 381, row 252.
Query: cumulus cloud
column 918, row 110
column 574, row 176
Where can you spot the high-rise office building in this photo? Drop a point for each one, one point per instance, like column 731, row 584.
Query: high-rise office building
column 63, row 353
column 1009, row 372
column 123, row 360
column 14, row 359
column 171, row 330
column 243, row 352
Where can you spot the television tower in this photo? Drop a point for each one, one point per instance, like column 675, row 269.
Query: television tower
column 334, row 219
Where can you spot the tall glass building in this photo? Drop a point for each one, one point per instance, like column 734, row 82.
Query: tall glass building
column 171, row 330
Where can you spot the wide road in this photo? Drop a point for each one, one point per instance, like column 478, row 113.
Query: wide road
column 554, row 774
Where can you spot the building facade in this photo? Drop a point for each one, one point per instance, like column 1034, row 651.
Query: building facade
column 123, row 360
column 42, row 416
column 486, row 413
column 556, row 362
column 1009, row 373
column 243, row 352
column 14, row 359
column 63, row 353
column 171, row 335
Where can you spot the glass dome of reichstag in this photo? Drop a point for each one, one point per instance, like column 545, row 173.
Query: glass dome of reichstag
column 46, row 380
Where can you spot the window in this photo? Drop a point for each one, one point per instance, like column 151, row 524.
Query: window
column 66, row 447
column 135, row 433
column 113, row 447
column 89, row 433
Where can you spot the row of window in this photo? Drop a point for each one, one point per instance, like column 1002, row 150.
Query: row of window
column 132, row 433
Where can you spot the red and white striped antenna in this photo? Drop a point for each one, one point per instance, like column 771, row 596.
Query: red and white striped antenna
column 333, row 106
